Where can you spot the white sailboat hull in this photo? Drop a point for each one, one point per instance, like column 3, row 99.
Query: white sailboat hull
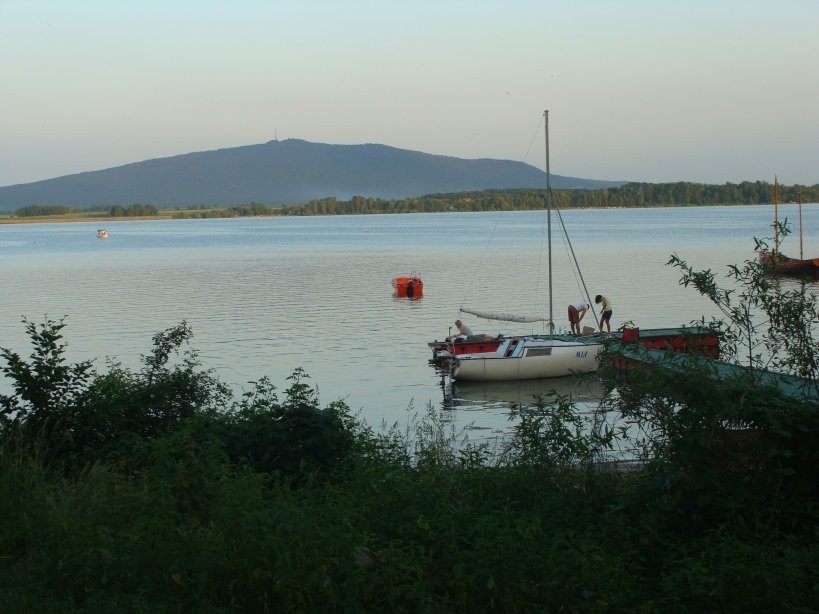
column 528, row 359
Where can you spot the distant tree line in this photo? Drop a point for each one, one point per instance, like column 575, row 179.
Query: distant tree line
column 134, row 210
column 684, row 193
column 628, row 195
column 35, row 210
column 250, row 210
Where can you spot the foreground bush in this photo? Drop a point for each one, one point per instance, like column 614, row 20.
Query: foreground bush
column 157, row 491
column 70, row 416
column 200, row 535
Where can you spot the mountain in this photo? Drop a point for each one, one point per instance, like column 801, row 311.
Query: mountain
column 282, row 172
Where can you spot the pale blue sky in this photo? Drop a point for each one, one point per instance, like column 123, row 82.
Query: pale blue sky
column 653, row 90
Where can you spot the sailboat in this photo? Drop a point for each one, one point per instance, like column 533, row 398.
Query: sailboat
column 537, row 356
column 775, row 262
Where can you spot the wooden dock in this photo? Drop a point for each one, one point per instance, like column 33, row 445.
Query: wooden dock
column 791, row 386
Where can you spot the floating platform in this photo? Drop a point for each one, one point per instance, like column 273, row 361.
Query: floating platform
column 409, row 286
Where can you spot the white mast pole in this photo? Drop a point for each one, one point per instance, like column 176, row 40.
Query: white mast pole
column 776, row 215
column 549, row 219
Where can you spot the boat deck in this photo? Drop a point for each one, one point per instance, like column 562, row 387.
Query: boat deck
column 694, row 339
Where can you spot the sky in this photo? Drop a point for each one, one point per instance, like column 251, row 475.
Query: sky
column 708, row 91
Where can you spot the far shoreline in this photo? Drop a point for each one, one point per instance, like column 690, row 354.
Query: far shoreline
column 627, row 196
column 100, row 220
column 132, row 218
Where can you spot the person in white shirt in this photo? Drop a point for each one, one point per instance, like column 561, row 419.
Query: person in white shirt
column 577, row 309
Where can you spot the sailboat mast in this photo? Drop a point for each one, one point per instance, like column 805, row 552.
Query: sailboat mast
column 801, row 251
column 549, row 218
column 776, row 215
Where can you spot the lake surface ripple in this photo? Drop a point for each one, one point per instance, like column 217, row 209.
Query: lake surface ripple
column 266, row 295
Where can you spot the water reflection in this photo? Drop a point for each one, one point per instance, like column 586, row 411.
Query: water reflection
column 521, row 395
column 495, row 406
column 498, row 406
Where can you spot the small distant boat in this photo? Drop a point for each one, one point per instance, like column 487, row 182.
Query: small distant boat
column 409, row 286
column 102, row 233
column 777, row 263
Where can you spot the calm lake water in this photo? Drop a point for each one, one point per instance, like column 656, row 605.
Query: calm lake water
column 264, row 296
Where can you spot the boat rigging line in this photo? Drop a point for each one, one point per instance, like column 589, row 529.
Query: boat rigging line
column 480, row 262
column 551, row 204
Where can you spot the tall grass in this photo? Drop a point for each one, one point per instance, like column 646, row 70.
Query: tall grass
column 194, row 532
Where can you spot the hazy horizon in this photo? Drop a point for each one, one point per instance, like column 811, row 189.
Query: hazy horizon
column 708, row 92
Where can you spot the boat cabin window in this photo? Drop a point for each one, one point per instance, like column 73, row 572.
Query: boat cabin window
column 539, row 352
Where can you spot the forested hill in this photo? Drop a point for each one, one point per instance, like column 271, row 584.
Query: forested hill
column 281, row 173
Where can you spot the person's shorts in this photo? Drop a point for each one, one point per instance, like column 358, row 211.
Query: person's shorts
column 574, row 314
column 606, row 315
